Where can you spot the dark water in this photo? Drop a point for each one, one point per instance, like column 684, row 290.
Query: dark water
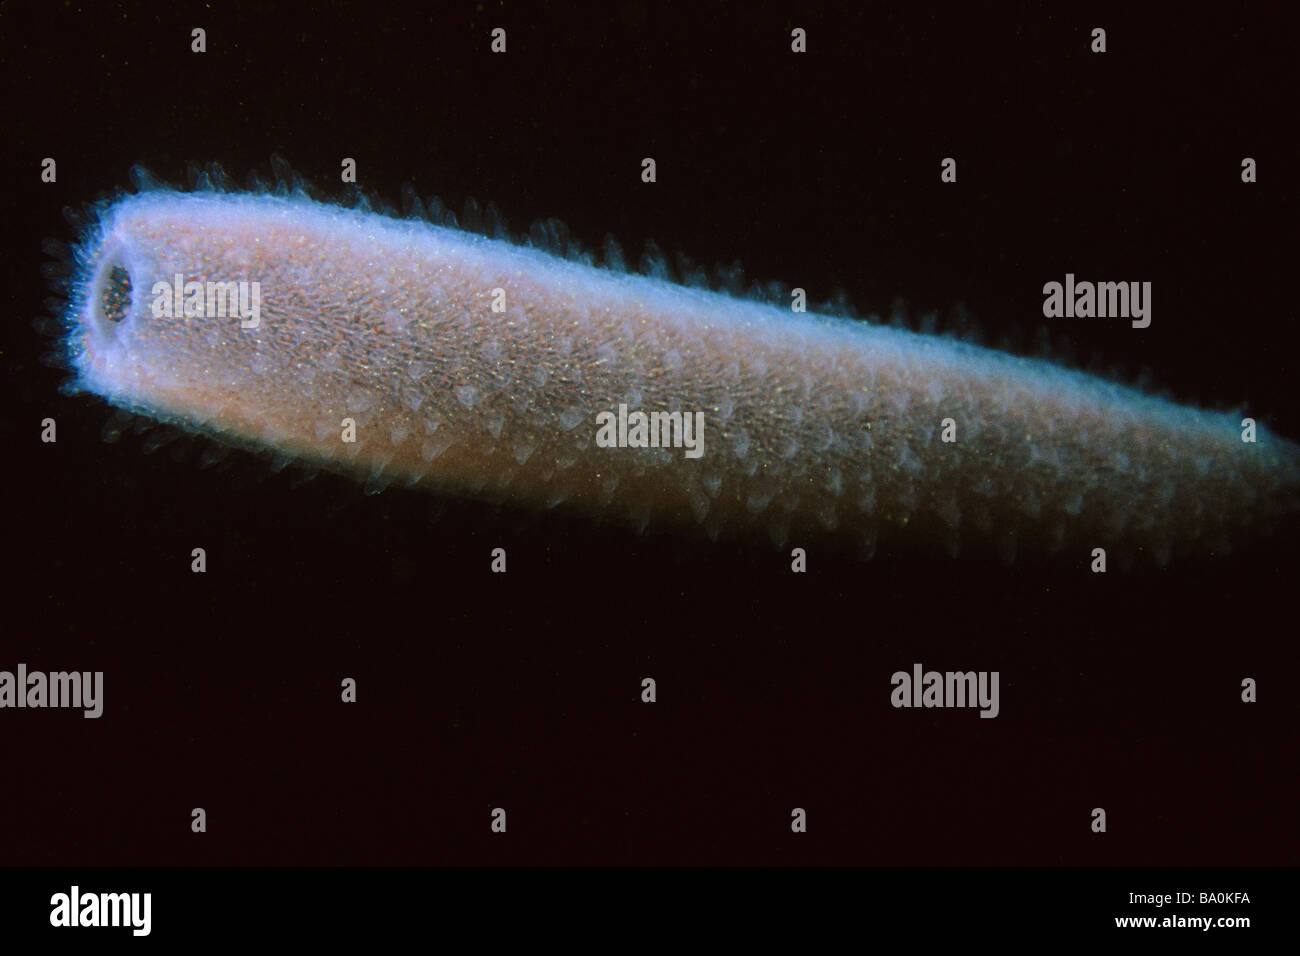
column 522, row 691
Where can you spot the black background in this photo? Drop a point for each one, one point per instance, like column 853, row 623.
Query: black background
column 522, row 691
